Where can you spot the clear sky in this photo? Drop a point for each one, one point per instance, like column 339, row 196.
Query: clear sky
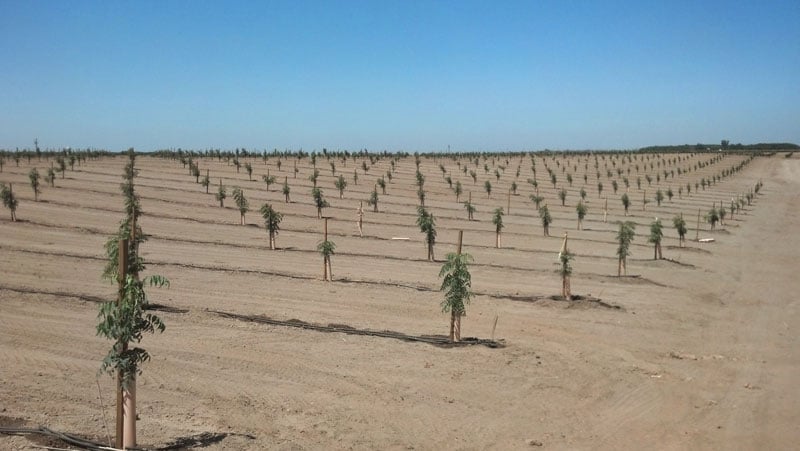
column 397, row 75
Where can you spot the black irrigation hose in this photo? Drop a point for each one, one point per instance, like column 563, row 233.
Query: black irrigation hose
column 67, row 438
column 439, row 341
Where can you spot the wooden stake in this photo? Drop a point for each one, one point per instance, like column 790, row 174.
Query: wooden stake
column 122, row 270
column 508, row 205
column 697, row 234
column 325, row 258
column 605, row 211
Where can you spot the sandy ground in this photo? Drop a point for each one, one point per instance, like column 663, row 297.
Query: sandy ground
column 699, row 352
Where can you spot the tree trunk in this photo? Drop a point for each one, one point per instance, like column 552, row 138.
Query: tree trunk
column 452, row 325
column 458, row 327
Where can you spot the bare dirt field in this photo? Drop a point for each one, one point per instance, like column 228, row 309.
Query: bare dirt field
column 696, row 351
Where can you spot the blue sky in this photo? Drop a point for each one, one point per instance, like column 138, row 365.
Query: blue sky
column 405, row 75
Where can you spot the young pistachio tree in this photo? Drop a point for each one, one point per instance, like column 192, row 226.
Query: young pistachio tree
column 241, row 203
column 421, row 195
column 126, row 320
column 326, row 248
column 458, row 190
column 497, row 220
column 562, row 194
column 286, row 189
column 9, row 200
column 680, row 227
column 712, row 217
column 427, row 225
column 319, row 201
column 581, row 210
column 221, row 194
column 50, row 178
column 487, row 185
column 537, row 200
column 565, row 258
column 627, row 230
column 656, row 234
column 659, row 197
column 272, row 222
column 373, row 199
column 470, row 210
column 206, row 182
column 457, row 286
column 340, row 183
column 626, row 202
column 34, row 177
column 249, row 168
column 544, row 214
column 268, row 179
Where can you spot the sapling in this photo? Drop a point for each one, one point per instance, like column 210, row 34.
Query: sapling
column 241, row 203
column 272, row 221
column 327, row 248
column 544, row 215
column 656, row 234
column 581, row 210
column 470, row 209
column 50, row 178
column 126, row 320
column 268, row 179
column 9, row 199
column 458, row 190
column 627, row 231
column 221, row 194
column 562, row 194
column 457, row 286
column 536, row 199
column 206, row 181
column 712, row 217
column 497, row 220
column 565, row 258
column 427, row 225
column 286, row 189
column 34, row 177
column 680, row 226
column 340, row 183
column 373, row 199
column 626, row 202
column 319, row 201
